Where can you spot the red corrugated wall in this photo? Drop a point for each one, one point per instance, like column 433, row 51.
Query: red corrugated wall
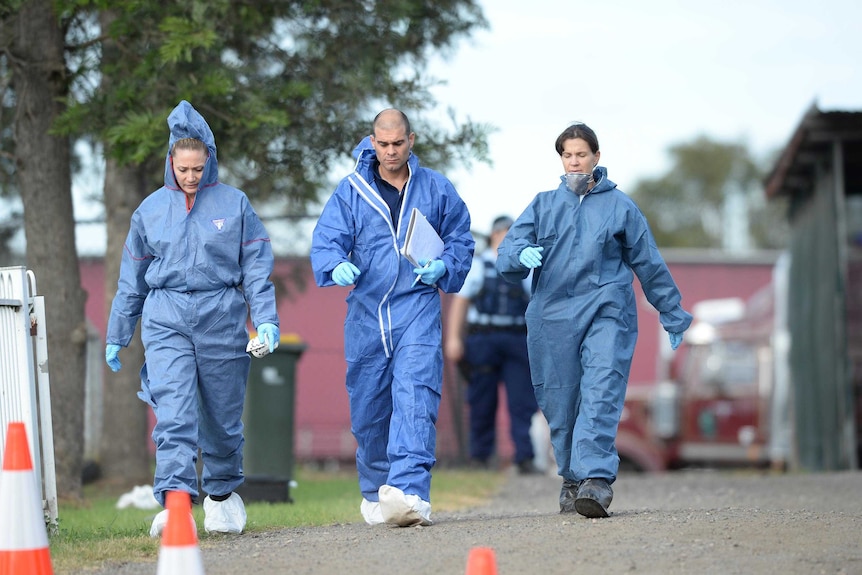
column 316, row 315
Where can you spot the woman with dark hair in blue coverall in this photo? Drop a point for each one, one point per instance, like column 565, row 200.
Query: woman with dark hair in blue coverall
column 392, row 332
column 583, row 241
column 196, row 262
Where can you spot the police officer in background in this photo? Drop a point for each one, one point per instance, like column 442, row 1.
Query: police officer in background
column 487, row 338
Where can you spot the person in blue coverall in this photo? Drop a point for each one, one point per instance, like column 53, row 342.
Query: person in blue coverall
column 197, row 261
column 582, row 242
column 392, row 331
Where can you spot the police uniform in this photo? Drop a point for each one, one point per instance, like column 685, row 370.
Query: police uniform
column 495, row 350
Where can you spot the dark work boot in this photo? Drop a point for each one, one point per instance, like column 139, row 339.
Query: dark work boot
column 568, row 494
column 594, row 498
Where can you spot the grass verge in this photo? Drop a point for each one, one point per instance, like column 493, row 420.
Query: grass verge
column 96, row 533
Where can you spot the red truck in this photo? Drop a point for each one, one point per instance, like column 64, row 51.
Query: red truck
column 725, row 401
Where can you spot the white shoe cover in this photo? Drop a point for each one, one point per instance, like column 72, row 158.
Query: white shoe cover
column 226, row 516
column 403, row 510
column 159, row 522
column 371, row 512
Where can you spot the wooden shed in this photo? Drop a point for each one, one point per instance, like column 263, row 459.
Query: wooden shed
column 820, row 173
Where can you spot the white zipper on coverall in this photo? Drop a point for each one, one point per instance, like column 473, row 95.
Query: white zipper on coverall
column 363, row 188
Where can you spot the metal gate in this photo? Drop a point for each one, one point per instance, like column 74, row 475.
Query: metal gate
column 24, row 385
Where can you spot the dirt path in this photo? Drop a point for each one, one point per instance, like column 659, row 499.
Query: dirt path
column 687, row 522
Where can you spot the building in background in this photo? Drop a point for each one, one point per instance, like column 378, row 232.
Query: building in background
column 820, row 173
column 316, row 315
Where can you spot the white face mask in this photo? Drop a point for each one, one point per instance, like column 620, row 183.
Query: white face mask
column 578, row 182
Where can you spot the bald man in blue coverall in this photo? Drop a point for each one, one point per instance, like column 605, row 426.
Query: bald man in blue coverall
column 392, row 332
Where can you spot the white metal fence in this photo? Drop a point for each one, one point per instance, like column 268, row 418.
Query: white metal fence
column 24, row 384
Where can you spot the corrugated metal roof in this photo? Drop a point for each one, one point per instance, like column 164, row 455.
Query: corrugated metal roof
column 812, row 141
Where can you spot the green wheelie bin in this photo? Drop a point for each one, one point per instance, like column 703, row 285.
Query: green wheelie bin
column 268, row 420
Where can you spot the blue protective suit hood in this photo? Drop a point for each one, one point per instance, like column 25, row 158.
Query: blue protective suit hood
column 186, row 122
column 362, row 147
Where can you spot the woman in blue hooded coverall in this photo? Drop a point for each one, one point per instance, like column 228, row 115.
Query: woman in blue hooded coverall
column 196, row 262
column 583, row 241
column 392, row 331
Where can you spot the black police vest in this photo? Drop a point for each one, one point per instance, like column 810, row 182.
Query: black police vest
column 499, row 299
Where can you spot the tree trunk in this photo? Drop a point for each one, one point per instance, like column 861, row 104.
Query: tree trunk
column 124, row 439
column 44, row 177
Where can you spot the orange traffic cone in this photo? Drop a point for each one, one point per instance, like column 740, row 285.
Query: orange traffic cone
column 481, row 561
column 180, row 554
column 23, row 535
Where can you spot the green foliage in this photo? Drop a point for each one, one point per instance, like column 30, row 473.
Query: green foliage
column 686, row 207
column 288, row 88
column 9, row 7
column 181, row 42
column 135, row 136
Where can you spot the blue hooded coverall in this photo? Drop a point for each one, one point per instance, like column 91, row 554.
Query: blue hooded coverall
column 392, row 331
column 582, row 317
column 193, row 276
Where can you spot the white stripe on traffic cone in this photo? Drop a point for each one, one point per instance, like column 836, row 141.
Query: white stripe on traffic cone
column 23, row 536
column 180, row 554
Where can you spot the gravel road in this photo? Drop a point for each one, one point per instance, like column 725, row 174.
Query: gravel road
column 703, row 522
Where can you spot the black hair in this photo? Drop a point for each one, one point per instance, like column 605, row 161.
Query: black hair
column 577, row 130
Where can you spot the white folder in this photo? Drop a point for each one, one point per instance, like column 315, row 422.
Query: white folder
column 422, row 241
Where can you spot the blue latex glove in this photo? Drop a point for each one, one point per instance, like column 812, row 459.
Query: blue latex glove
column 675, row 340
column 430, row 272
column 531, row 257
column 268, row 333
column 345, row 273
column 112, row 350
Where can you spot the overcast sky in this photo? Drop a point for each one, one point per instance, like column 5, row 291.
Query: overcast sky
column 644, row 76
